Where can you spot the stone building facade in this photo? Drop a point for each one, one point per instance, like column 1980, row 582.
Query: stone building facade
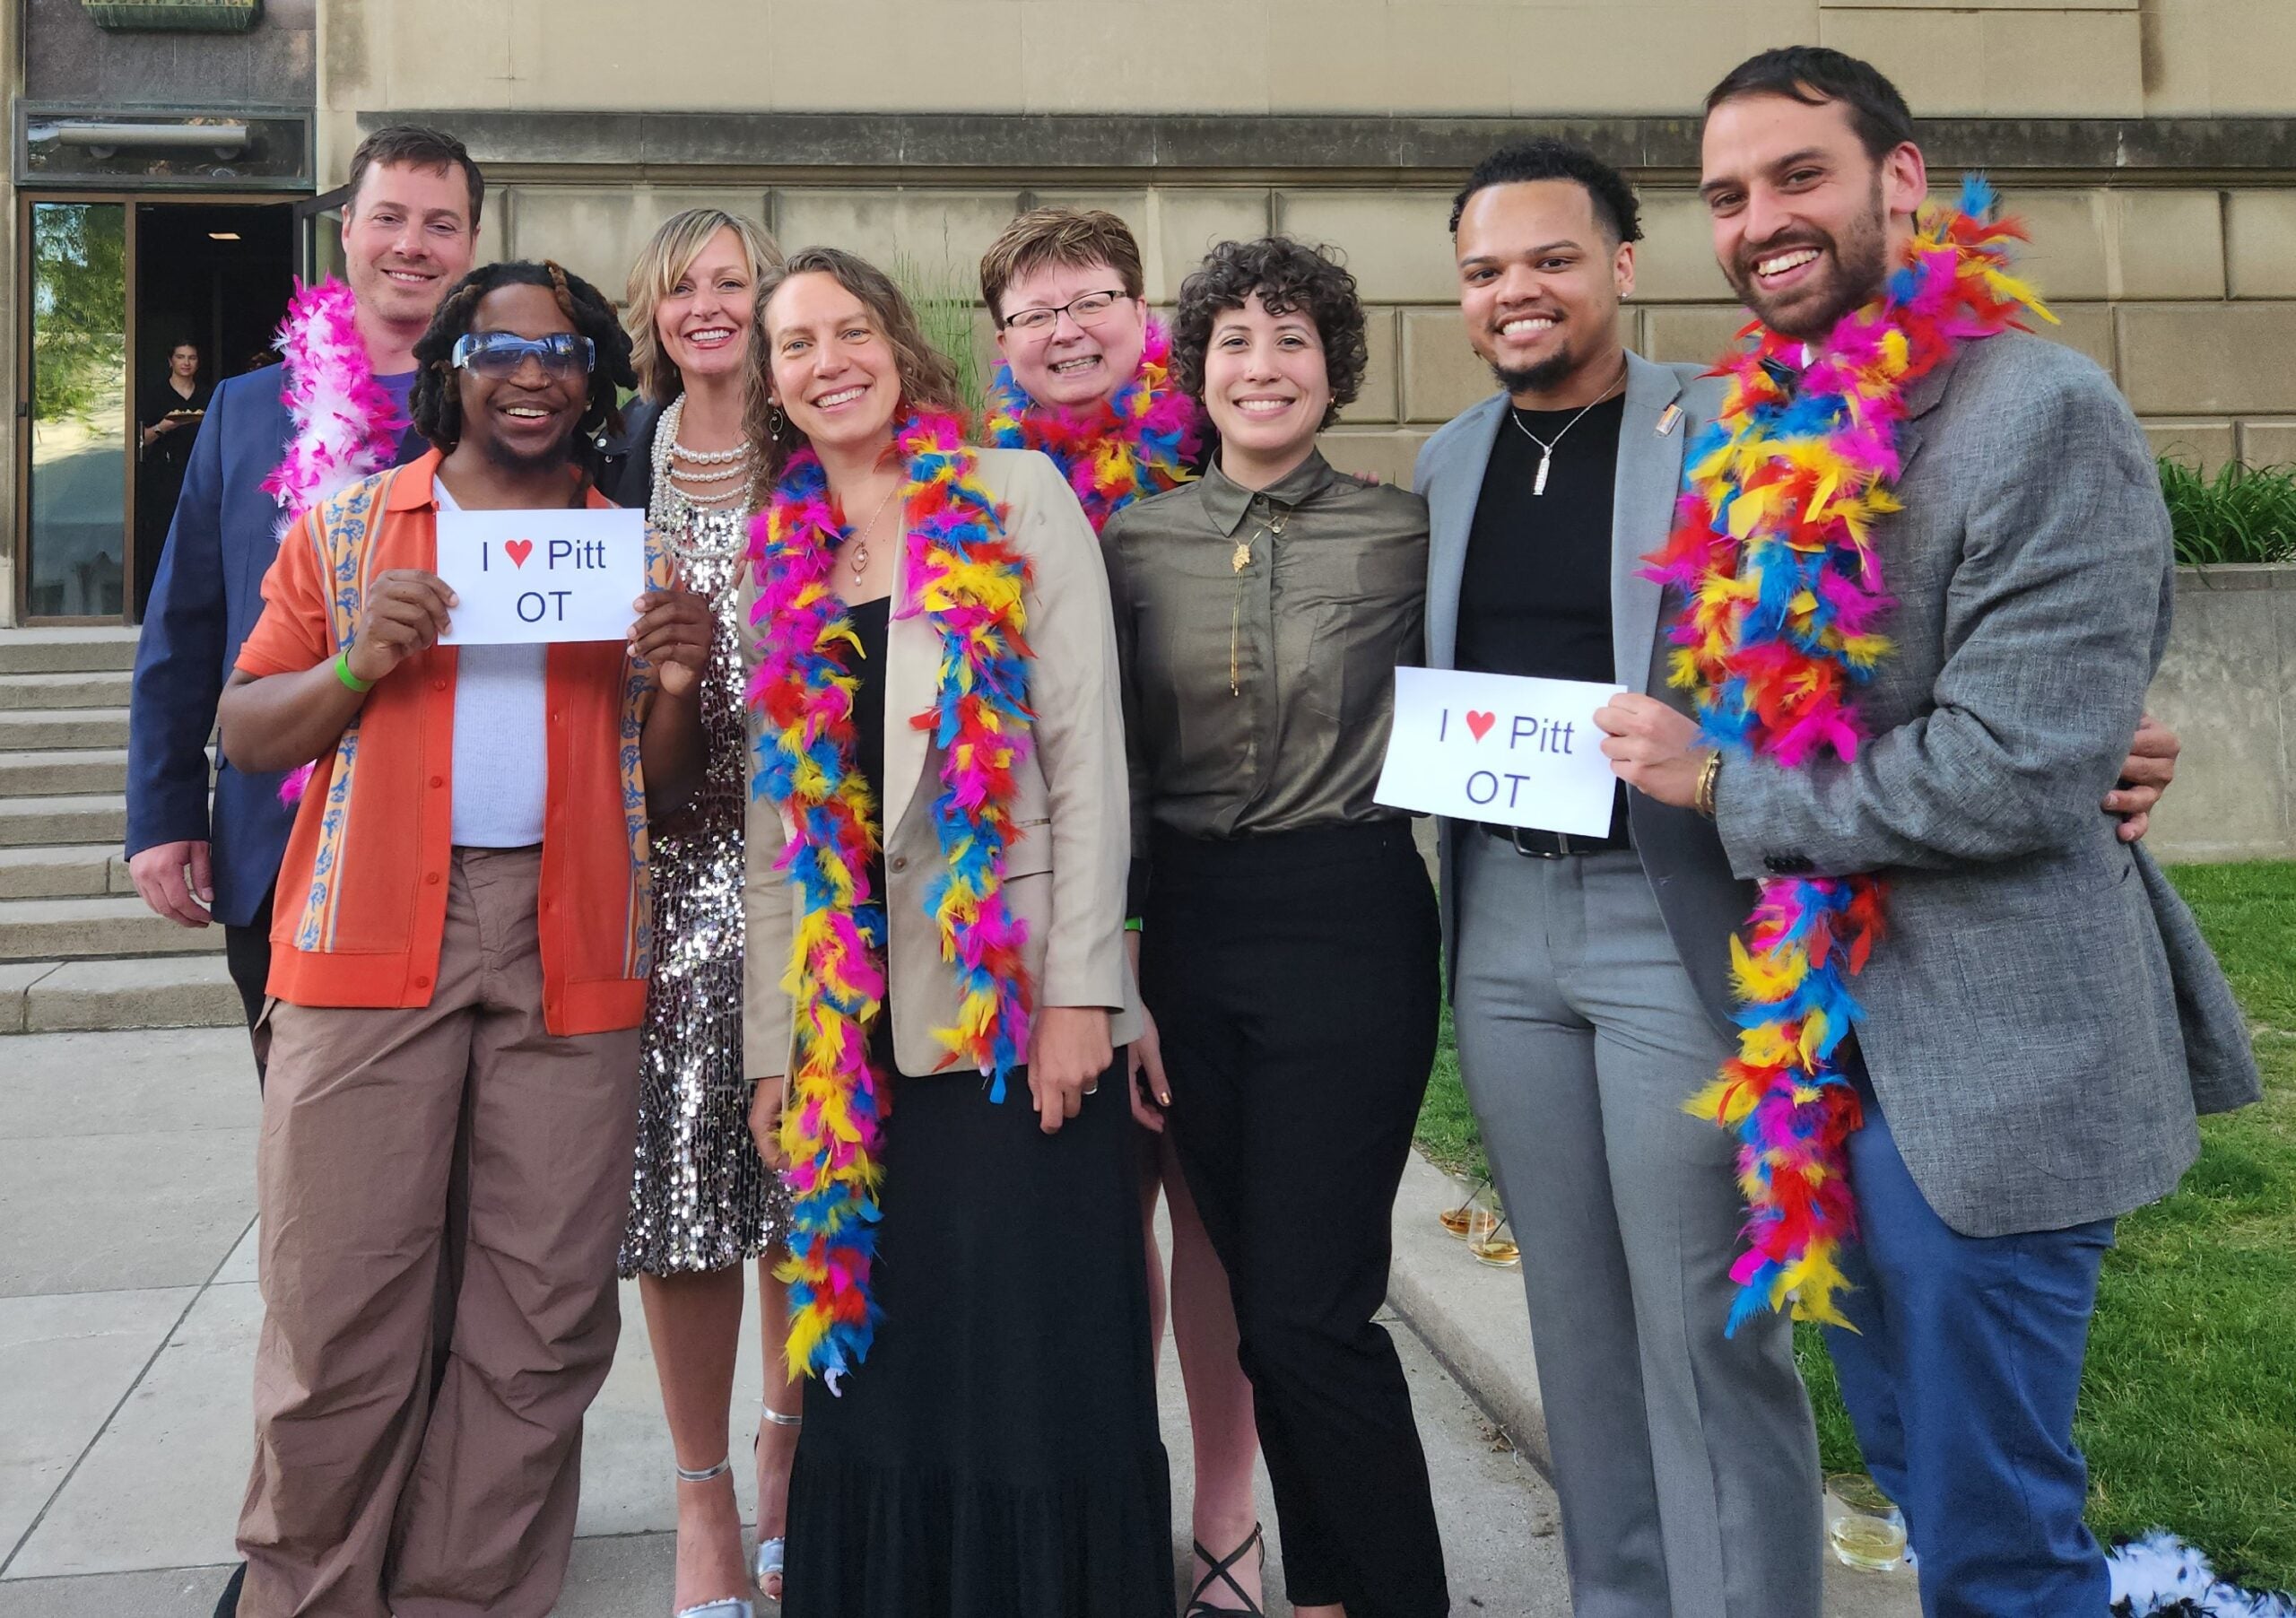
column 2152, row 143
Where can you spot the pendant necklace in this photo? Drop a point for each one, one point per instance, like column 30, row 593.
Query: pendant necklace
column 859, row 558
column 1546, row 446
column 1271, row 526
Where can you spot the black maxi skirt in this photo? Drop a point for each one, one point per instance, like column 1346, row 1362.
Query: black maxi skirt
column 997, row 1455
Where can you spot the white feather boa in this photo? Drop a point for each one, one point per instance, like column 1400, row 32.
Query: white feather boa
column 2160, row 1574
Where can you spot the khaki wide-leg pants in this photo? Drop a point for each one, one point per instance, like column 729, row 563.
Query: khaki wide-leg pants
column 387, row 1482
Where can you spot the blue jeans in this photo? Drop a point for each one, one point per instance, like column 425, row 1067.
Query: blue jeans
column 1962, row 1380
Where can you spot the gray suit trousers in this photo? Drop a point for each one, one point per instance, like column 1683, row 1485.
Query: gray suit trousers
column 1685, row 1461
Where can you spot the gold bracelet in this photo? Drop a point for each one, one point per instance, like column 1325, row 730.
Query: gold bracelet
column 1702, row 800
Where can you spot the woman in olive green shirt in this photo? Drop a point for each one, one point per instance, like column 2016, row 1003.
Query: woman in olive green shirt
column 1289, row 941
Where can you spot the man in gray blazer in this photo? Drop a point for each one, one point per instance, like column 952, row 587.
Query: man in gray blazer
column 1588, row 976
column 2043, row 1019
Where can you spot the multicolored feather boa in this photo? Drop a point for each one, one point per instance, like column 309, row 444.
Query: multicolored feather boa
column 347, row 426
column 1142, row 441
column 1774, row 551
column 966, row 579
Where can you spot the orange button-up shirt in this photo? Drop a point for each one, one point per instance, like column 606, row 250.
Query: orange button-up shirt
column 363, row 891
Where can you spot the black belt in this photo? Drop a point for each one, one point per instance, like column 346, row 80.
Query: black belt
column 1553, row 845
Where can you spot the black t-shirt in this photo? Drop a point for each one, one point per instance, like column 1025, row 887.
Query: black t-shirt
column 1535, row 594
column 1534, row 597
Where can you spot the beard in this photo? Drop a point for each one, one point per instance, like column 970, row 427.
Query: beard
column 1854, row 266
column 1542, row 378
column 1548, row 374
column 548, row 458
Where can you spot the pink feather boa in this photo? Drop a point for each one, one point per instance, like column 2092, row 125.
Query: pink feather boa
column 347, row 425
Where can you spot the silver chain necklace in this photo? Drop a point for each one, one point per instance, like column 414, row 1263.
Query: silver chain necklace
column 1546, row 446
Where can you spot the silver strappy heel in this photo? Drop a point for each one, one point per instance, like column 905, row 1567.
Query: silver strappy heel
column 772, row 1554
column 726, row 1606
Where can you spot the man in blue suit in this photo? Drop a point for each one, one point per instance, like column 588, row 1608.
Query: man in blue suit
column 410, row 232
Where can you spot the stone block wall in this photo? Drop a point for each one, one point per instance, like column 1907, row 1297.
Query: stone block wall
column 1999, row 59
column 2228, row 686
column 2185, row 293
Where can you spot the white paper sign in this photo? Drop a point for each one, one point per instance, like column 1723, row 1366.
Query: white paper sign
column 1500, row 748
column 524, row 577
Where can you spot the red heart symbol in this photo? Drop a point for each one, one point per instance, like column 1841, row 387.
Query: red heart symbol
column 518, row 550
column 1481, row 723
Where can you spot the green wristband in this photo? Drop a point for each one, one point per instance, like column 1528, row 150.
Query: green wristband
column 1133, row 924
column 351, row 681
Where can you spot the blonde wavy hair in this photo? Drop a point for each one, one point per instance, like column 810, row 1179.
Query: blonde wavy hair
column 660, row 265
column 928, row 381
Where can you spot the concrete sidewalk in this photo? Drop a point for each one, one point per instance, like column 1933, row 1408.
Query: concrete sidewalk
column 1473, row 1317
column 128, row 1311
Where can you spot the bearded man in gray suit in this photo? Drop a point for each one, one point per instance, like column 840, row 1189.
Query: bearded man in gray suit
column 2041, row 1019
column 1590, row 977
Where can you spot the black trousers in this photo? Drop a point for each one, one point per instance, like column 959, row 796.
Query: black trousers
column 246, row 956
column 1294, row 980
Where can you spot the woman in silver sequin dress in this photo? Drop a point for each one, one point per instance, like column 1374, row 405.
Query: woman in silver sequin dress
column 703, row 1203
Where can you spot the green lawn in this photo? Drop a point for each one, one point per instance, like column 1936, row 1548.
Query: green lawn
column 2188, row 1406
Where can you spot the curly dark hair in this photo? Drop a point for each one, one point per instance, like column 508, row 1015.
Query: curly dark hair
column 1287, row 276
column 437, row 404
column 1545, row 158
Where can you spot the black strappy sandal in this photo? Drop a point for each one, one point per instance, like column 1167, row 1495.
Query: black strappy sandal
column 1218, row 1566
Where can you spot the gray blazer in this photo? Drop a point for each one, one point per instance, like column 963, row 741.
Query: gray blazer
column 1700, row 899
column 2042, row 1016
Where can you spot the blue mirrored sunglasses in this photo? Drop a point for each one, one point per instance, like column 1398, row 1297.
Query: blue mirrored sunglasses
column 499, row 354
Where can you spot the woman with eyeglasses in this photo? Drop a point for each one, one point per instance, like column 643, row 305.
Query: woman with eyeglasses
column 1289, row 940
column 1086, row 379
column 703, row 1204
column 938, row 998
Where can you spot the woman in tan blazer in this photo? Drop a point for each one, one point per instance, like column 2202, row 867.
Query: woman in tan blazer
column 937, row 991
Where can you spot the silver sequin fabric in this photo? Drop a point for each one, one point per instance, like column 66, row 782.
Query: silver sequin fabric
column 701, row 1198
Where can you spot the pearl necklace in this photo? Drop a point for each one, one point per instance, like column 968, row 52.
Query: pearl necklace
column 684, row 467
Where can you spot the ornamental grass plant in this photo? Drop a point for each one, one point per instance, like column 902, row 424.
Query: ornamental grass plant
column 2242, row 514
column 946, row 300
column 2188, row 1399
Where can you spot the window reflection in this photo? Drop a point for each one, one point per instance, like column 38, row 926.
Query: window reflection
column 79, row 436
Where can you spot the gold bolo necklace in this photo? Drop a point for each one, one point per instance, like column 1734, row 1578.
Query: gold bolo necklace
column 1271, row 526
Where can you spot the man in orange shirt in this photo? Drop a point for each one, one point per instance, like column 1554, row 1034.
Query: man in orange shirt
column 460, row 953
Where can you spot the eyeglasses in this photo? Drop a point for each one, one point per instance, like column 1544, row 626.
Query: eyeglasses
column 1090, row 309
column 498, row 355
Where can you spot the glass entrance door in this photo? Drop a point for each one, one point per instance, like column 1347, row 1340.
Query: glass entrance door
column 134, row 307
column 80, row 465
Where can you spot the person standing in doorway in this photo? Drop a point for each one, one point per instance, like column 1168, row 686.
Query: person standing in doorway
column 1086, row 379
column 168, row 414
column 204, row 858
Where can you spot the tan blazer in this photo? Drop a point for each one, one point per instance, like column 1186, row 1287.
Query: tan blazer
column 1064, row 877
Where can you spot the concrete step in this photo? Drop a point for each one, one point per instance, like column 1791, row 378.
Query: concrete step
column 35, row 822
column 56, row 651
column 84, row 688
column 63, row 773
column 74, row 871
column 82, row 929
column 63, row 996
column 42, row 730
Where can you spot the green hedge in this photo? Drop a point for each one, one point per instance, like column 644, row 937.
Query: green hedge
column 2242, row 514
